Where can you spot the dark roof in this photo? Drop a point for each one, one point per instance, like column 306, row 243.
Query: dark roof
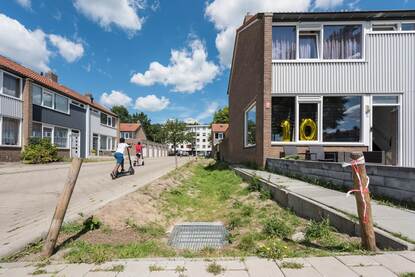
column 344, row 15
column 19, row 69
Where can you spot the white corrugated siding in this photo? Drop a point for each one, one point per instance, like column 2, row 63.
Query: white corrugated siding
column 389, row 68
column 11, row 107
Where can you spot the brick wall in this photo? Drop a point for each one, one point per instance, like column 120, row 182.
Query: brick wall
column 10, row 154
column 245, row 87
column 27, row 112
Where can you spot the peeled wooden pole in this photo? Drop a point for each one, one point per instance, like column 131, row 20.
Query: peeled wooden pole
column 366, row 226
column 61, row 208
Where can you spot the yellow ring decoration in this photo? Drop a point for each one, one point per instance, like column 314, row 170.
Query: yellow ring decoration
column 286, row 130
column 308, row 122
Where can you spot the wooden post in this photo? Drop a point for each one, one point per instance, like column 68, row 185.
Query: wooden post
column 61, row 208
column 366, row 226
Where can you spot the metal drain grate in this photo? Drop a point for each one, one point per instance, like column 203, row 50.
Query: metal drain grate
column 198, row 235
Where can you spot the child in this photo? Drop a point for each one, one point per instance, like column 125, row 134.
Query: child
column 119, row 157
column 138, row 151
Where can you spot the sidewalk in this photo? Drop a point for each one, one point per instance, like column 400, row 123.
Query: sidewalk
column 348, row 266
column 391, row 219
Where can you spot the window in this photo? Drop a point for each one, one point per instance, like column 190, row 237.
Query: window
column 284, row 42
column 61, row 103
column 103, row 142
column 283, row 119
column 308, row 45
column 250, row 126
column 408, row 26
column 384, row 27
column 47, row 99
column 220, row 136
column 308, row 121
column 60, row 137
column 47, row 133
column 342, row 42
column 104, row 118
column 387, row 99
column 114, row 121
column 36, row 130
column 10, row 129
column 342, row 118
column 11, row 85
column 36, row 95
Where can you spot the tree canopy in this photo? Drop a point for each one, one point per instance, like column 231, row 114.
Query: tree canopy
column 221, row 115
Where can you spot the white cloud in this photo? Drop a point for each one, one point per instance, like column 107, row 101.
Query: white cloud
column 211, row 108
column 190, row 120
column 23, row 45
column 25, row 3
column 228, row 15
column 188, row 70
column 69, row 50
column 327, row 4
column 116, row 98
column 151, row 103
column 122, row 13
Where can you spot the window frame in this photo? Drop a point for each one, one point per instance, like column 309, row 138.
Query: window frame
column 51, row 126
column 310, row 99
column 67, row 104
column 110, row 119
column 19, row 140
column 319, row 26
column 53, row 108
column 2, row 72
column 246, row 111
column 397, row 22
column 318, row 44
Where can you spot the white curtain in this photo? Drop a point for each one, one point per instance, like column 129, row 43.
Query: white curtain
column 283, row 43
column 10, row 130
column 343, row 42
column 308, row 47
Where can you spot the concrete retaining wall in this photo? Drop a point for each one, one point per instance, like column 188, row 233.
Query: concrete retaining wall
column 395, row 183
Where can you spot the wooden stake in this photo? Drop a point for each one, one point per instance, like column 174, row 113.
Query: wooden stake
column 366, row 228
column 61, row 208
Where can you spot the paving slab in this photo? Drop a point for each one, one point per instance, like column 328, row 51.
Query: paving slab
column 19, row 271
column 395, row 263
column 301, row 272
column 262, row 268
column 410, row 255
column 357, row 260
column 101, row 274
column 373, row 271
column 330, row 266
column 197, row 268
column 135, row 268
column 75, row 270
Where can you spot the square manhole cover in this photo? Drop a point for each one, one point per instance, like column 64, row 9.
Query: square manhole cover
column 198, row 235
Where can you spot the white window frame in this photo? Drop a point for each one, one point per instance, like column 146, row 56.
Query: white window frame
column 19, row 144
column 43, row 99
column 2, row 72
column 318, row 41
column 51, row 126
column 387, row 22
column 110, row 119
column 319, row 98
column 246, row 145
column 319, row 26
column 68, row 103
column 78, row 104
column 48, row 91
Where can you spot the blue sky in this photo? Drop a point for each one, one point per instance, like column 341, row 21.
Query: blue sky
column 168, row 58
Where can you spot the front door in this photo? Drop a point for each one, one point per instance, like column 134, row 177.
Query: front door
column 75, row 145
column 385, row 129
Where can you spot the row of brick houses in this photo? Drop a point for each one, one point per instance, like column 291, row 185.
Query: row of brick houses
column 338, row 81
column 36, row 105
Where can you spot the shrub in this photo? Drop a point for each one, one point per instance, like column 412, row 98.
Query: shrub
column 247, row 243
column 275, row 226
column 273, row 249
column 318, row 231
column 40, row 151
column 255, row 184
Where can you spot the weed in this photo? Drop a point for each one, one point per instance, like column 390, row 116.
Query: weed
column 247, row 243
column 407, row 274
column 114, row 268
column 71, row 228
column 215, row 268
column 319, row 230
column 180, row 269
column 152, row 230
column 275, row 226
column 254, row 184
column 92, row 223
column 31, row 248
column 154, row 267
column 39, row 271
column 291, row 265
column 265, row 194
column 247, row 210
column 234, row 222
column 272, row 249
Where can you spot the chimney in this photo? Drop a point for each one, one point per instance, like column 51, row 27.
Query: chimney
column 248, row 16
column 51, row 76
column 90, row 96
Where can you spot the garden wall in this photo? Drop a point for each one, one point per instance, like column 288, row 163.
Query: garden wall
column 391, row 182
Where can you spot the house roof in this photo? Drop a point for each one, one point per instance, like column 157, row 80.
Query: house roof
column 129, row 127
column 345, row 15
column 219, row 127
column 18, row 69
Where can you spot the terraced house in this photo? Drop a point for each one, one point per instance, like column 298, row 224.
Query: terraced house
column 36, row 105
column 340, row 82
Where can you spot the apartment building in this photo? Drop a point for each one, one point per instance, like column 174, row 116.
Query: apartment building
column 340, row 80
column 202, row 145
column 36, row 105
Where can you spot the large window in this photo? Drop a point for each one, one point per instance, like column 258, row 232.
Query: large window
column 250, row 126
column 36, row 95
column 343, row 42
column 10, row 130
column 283, row 119
column 47, row 133
column 36, row 130
column 61, row 103
column 308, row 121
column 103, row 142
column 47, row 99
column 284, row 42
column 342, row 119
column 60, row 137
column 11, row 85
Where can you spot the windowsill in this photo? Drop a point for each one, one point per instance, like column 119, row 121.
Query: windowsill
column 11, row 146
column 307, row 143
column 108, row 126
column 319, row 61
column 249, row 146
column 389, row 32
column 12, row 97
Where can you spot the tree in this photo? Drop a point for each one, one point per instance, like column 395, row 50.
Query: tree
column 176, row 133
column 221, row 115
column 122, row 113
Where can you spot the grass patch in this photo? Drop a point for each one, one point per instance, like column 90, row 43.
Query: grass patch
column 215, row 268
column 154, row 267
column 114, row 268
column 292, row 265
column 407, row 274
column 152, row 230
column 39, row 271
